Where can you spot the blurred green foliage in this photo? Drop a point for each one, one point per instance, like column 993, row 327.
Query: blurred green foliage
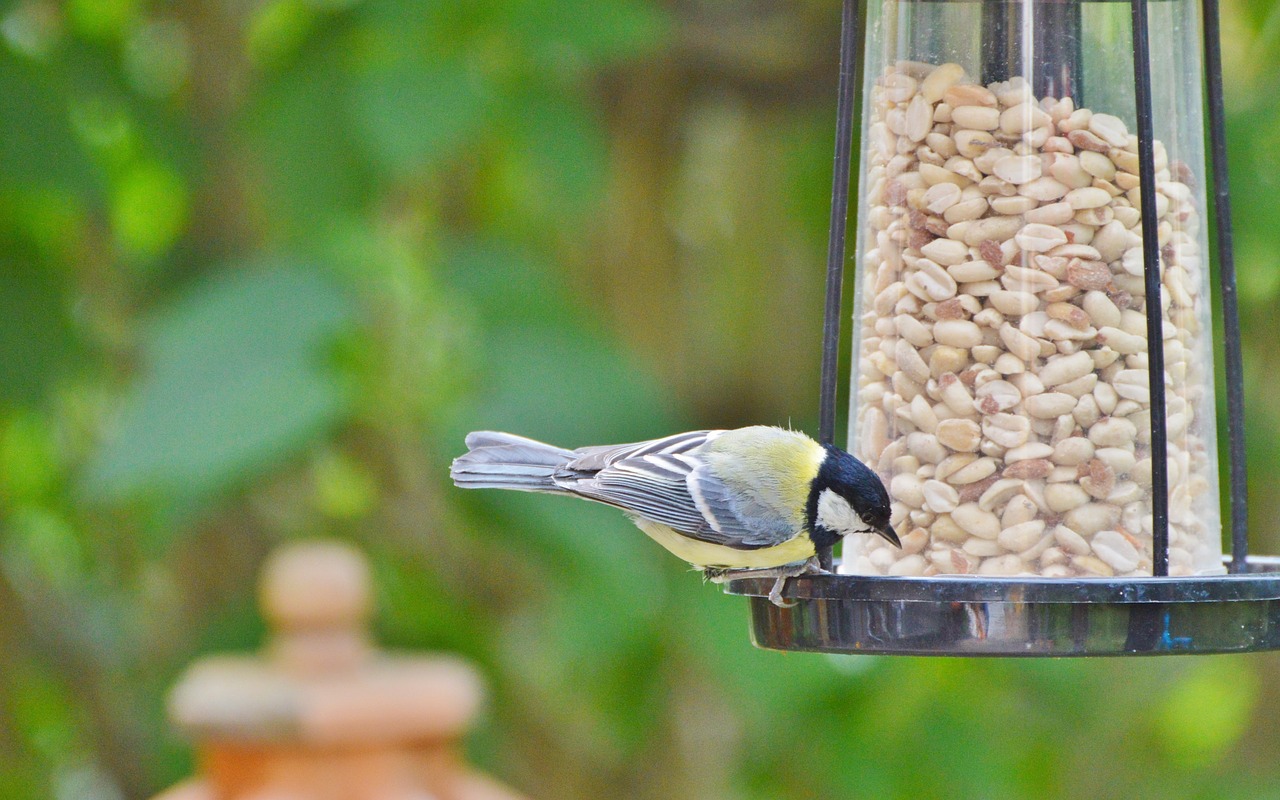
column 263, row 264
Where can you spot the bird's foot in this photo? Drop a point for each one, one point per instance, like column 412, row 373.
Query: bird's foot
column 779, row 574
column 775, row 594
column 813, row 567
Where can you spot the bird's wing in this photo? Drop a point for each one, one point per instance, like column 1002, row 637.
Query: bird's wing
column 594, row 459
column 680, row 490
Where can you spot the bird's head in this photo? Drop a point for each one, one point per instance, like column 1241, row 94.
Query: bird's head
column 847, row 497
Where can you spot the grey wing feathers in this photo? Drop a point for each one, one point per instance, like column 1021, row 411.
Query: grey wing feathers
column 654, row 487
column 738, row 513
column 666, row 481
column 593, row 459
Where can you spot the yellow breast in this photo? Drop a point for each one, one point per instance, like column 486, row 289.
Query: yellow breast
column 705, row 554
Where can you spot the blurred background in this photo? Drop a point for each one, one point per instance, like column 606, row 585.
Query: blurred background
column 263, row 263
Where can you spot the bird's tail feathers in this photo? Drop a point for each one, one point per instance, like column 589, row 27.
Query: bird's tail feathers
column 505, row 461
column 477, row 439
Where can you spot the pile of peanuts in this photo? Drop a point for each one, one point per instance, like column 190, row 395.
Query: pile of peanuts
column 1002, row 384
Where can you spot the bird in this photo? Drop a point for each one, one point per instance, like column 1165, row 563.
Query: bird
column 750, row 502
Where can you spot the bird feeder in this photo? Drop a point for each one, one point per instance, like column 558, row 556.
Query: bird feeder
column 1033, row 350
column 323, row 715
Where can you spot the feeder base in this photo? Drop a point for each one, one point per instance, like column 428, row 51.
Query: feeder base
column 969, row 616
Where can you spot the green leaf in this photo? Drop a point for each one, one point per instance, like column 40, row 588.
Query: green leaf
column 1202, row 716
column 308, row 153
column 233, row 381
column 149, row 209
column 36, row 340
column 414, row 111
column 44, row 543
column 277, row 29
column 29, row 463
column 546, row 367
column 599, row 32
column 38, row 147
column 103, row 20
column 558, row 161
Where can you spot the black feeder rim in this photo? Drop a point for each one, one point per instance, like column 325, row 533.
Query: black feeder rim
column 966, row 615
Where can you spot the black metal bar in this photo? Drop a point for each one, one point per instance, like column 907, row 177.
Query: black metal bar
column 1058, row 65
column 1151, row 273
column 1227, row 289
column 849, row 35
column 1000, row 37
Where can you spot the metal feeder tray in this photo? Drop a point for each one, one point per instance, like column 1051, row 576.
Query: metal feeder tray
column 989, row 616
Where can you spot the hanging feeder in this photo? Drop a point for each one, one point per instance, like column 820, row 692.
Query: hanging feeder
column 1028, row 182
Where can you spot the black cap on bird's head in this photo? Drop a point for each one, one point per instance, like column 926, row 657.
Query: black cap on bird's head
column 847, row 497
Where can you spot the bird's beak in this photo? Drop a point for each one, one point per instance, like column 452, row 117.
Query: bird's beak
column 889, row 535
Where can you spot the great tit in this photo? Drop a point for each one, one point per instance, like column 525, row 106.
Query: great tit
column 755, row 500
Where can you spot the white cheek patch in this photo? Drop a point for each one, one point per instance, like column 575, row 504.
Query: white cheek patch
column 836, row 515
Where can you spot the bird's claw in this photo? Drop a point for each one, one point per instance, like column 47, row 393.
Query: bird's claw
column 814, row 567
column 780, row 577
column 775, row 594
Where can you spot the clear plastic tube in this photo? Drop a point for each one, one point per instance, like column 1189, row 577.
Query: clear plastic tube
column 1000, row 332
